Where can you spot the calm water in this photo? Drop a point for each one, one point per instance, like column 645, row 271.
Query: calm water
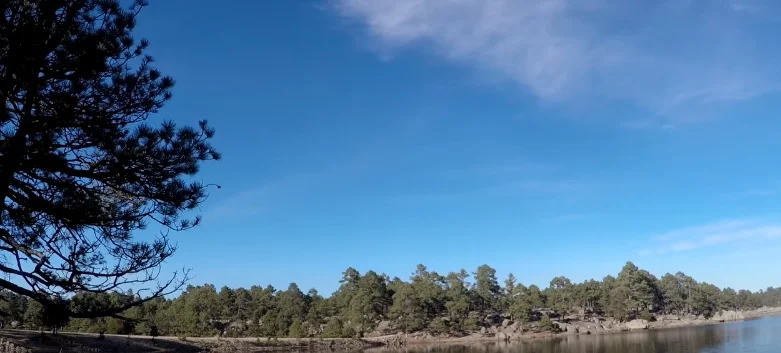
column 754, row 336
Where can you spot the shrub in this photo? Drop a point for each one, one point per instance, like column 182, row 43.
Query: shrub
column 296, row 330
column 645, row 315
column 547, row 325
column 348, row 332
column 333, row 329
column 438, row 326
column 470, row 324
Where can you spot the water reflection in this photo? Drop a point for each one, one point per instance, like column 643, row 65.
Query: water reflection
column 756, row 336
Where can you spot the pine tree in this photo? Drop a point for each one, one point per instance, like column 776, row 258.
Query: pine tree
column 407, row 310
column 80, row 170
column 486, row 289
column 296, row 330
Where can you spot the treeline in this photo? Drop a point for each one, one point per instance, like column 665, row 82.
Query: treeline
column 458, row 302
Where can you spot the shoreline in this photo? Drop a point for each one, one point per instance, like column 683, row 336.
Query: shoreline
column 411, row 340
column 90, row 342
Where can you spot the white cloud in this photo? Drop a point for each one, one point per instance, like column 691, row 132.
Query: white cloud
column 661, row 55
column 719, row 233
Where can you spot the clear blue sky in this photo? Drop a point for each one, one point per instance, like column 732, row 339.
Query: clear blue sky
column 543, row 138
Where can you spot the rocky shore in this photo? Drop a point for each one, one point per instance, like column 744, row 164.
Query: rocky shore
column 509, row 331
column 22, row 341
column 19, row 341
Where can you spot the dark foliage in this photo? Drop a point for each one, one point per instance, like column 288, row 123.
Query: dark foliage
column 427, row 301
column 80, row 170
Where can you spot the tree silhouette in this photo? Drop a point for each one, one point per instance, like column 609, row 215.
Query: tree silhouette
column 80, row 170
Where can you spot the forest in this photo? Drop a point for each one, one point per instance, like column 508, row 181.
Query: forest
column 458, row 302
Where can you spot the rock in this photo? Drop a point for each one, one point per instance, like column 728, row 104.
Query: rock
column 728, row 315
column 636, row 324
column 506, row 322
column 483, row 330
column 564, row 327
column 610, row 324
column 516, row 336
column 502, row 336
column 396, row 341
column 494, row 329
column 595, row 328
column 383, row 327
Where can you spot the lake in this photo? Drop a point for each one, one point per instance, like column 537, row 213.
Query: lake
column 761, row 335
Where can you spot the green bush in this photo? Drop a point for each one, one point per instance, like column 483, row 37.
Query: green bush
column 296, row 330
column 333, row 329
column 645, row 315
column 470, row 324
column 348, row 332
column 438, row 326
column 547, row 325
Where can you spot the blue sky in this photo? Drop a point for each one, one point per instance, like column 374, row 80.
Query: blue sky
column 542, row 137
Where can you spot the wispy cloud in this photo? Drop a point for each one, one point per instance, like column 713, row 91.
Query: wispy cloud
column 526, row 187
column 662, row 55
column 258, row 200
column 275, row 193
column 506, row 169
column 568, row 217
column 721, row 233
column 758, row 191
column 648, row 124
column 745, row 6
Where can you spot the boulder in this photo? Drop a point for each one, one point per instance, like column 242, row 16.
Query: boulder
column 384, row 327
column 506, row 322
column 728, row 315
column 564, row 327
column 502, row 336
column 636, row 324
column 483, row 330
column 610, row 324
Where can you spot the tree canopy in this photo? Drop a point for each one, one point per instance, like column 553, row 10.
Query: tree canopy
column 426, row 301
column 80, row 169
